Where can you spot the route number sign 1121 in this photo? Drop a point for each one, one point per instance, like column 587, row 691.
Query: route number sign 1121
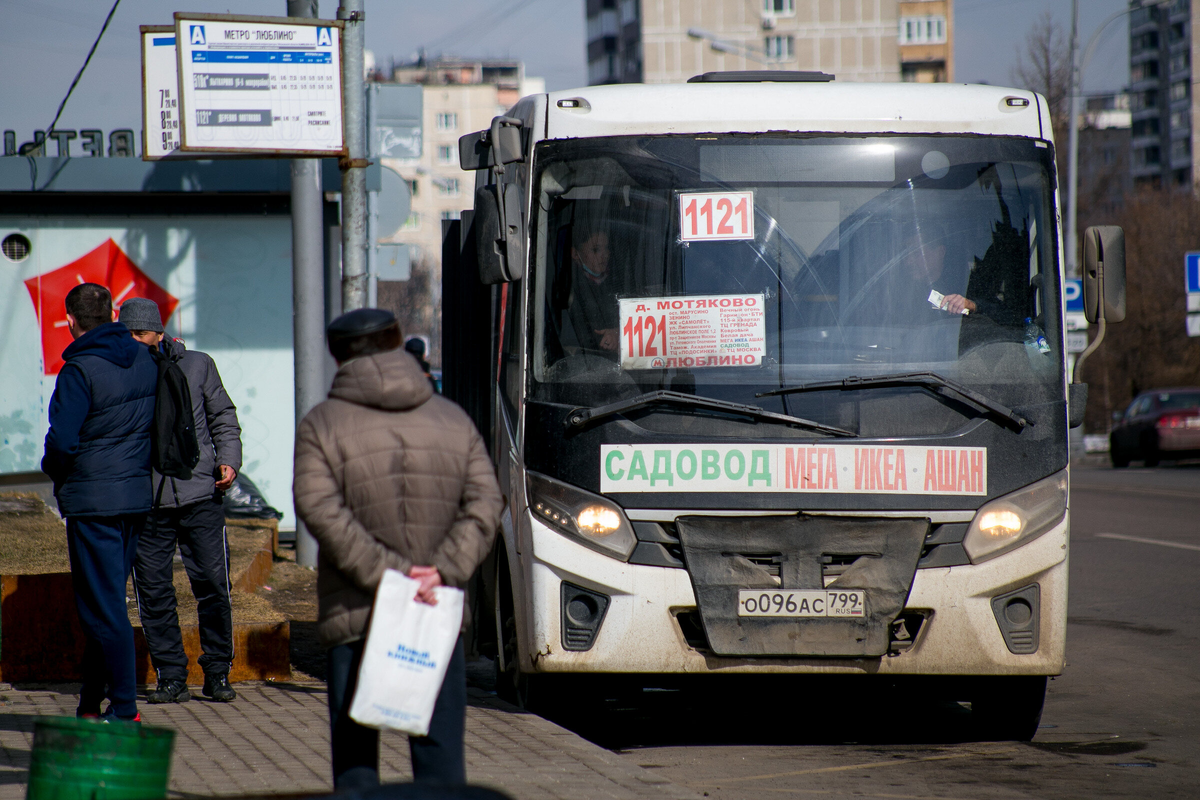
column 716, row 216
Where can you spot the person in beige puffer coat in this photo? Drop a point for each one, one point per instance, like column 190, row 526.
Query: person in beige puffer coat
column 389, row 475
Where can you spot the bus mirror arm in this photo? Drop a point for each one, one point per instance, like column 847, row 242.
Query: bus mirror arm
column 504, row 138
column 1103, row 287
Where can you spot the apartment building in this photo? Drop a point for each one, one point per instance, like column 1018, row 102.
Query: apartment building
column 459, row 96
column 926, row 39
column 669, row 41
column 1104, row 174
column 1162, row 45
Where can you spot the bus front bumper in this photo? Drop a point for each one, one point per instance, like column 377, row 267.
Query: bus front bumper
column 640, row 632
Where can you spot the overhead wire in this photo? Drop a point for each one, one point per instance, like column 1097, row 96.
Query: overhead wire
column 63, row 104
column 479, row 24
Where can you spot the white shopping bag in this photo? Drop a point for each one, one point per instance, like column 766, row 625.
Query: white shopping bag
column 404, row 661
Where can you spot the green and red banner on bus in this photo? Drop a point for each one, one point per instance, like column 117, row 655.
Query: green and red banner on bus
column 835, row 469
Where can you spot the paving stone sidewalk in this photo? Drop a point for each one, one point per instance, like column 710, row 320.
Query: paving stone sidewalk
column 275, row 740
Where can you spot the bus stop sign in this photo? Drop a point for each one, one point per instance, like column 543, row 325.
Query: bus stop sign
column 1191, row 271
column 261, row 85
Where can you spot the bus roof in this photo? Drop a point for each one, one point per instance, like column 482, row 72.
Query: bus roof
column 911, row 108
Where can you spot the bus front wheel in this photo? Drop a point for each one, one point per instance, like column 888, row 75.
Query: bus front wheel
column 530, row 692
column 1008, row 708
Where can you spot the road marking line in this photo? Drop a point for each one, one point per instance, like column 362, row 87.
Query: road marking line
column 1099, row 487
column 1140, row 540
column 872, row 794
column 869, row 765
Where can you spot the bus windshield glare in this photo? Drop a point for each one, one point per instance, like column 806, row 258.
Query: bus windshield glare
column 726, row 266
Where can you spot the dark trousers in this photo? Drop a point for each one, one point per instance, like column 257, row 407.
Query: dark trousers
column 436, row 758
column 101, row 551
column 199, row 530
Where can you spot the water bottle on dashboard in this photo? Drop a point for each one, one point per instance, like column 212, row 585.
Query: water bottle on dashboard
column 1034, row 338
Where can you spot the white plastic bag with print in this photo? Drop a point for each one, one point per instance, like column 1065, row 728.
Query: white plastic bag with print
column 404, row 661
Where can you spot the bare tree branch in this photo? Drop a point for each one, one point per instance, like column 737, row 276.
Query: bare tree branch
column 1045, row 67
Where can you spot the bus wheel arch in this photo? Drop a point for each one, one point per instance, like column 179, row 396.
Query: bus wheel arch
column 1005, row 708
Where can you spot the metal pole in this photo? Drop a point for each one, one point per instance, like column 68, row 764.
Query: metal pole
column 372, row 203
column 1073, row 147
column 308, row 293
column 354, row 176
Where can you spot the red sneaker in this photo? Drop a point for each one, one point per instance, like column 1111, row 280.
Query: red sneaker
column 109, row 715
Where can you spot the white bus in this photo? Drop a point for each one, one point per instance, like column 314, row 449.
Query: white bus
column 774, row 379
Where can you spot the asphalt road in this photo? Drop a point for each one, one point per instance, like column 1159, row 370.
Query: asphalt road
column 1123, row 721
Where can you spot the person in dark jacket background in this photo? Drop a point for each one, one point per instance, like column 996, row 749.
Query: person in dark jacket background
column 98, row 455
column 190, row 513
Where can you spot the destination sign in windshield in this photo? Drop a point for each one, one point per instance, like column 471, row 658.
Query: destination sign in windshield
column 692, row 331
column 257, row 85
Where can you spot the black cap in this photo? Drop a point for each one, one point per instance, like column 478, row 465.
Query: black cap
column 360, row 323
column 361, row 332
column 415, row 346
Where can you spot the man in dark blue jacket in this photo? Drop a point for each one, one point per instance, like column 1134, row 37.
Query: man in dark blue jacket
column 98, row 455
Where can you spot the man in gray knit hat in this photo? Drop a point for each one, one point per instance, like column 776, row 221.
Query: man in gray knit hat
column 189, row 513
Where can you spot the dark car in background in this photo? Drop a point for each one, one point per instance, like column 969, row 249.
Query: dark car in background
column 1159, row 424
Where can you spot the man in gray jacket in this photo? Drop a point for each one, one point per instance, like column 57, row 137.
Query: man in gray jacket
column 189, row 513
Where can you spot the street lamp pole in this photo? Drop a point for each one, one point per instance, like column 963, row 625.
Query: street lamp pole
column 354, row 173
column 308, row 294
column 1073, row 144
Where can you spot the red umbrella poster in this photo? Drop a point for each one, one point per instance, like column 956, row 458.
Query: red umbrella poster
column 108, row 266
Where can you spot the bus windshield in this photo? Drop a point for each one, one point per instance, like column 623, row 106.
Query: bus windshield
column 726, row 266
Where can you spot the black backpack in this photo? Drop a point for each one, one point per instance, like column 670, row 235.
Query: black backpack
column 174, row 449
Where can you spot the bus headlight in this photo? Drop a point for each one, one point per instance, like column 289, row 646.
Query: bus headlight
column 1016, row 518
column 597, row 522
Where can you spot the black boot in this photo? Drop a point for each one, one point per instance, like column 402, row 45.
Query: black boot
column 216, row 687
column 170, row 690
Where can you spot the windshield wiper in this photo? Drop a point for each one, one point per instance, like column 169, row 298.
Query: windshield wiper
column 581, row 416
column 927, row 380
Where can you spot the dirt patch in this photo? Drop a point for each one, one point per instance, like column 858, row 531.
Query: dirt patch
column 292, row 592
column 33, row 539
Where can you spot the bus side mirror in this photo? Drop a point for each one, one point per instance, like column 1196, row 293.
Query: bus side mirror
column 1104, row 272
column 475, row 150
column 499, row 239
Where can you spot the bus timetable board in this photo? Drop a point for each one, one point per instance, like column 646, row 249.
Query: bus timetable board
column 264, row 85
column 160, row 93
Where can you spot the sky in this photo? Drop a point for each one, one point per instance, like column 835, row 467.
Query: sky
column 44, row 42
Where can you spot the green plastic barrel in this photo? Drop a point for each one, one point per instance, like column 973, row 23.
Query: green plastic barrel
column 85, row 759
